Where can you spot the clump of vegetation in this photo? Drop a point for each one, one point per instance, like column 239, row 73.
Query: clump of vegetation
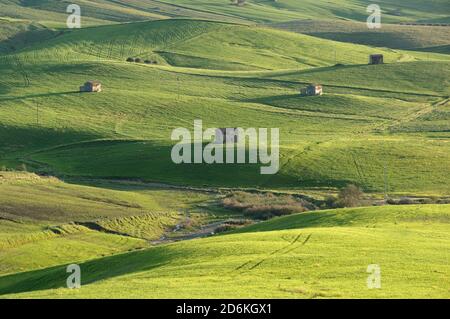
column 232, row 224
column 349, row 196
column 139, row 60
column 401, row 201
column 415, row 201
column 265, row 206
column 22, row 167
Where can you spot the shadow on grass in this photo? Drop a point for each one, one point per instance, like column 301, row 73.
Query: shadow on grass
column 273, row 100
column 107, row 163
column 31, row 138
column 32, row 96
column 91, row 271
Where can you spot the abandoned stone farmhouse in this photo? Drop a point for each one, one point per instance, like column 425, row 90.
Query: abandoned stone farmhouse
column 91, row 86
column 376, row 59
column 312, row 89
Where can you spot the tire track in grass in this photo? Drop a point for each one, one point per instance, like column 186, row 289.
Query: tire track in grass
column 304, row 242
column 280, row 251
column 359, row 170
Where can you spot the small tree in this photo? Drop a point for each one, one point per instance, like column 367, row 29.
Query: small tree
column 349, row 196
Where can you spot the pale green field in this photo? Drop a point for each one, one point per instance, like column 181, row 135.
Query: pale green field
column 57, row 222
column 321, row 255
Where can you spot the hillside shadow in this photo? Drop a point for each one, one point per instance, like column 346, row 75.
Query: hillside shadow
column 91, row 271
column 308, row 71
column 4, row 89
column 27, row 38
column 32, row 96
column 273, row 99
column 16, row 141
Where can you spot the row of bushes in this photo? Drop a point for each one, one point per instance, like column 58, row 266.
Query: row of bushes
column 232, row 224
column 415, row 201
column 265, row 206
column 21, row 168
column 139, row 60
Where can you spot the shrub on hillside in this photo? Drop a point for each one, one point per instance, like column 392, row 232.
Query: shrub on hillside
column 413, row 201
column 405, row 201
column 138, row 60
column 130, row 59
column 349, row 196
column 232, row 224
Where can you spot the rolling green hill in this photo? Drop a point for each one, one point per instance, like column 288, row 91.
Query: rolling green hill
column 253, row 80
column 57, row 222
column 101, row 189
column 320, row 255
column 429, row 38
column 53, row 13
column 284, row 10
column 15, row 34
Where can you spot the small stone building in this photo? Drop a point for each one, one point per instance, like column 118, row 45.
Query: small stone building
column 312, row 89
column 91, row 86
column 227, row 135
column 376, row 59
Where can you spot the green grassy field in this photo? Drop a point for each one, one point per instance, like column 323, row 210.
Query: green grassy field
column 102, row 191
column 57, row 222
column 430, row 38
column 52, row 13
column 310, row 255
column 125, row 131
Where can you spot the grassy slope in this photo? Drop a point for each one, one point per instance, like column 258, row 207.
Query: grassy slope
column 135, row 119
column 323, row 254
column 284, row 10
column 365, row 124
column 58, row 222
column 15, row 34
column 52, row 12
column 390, row 35
column 270, row 11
